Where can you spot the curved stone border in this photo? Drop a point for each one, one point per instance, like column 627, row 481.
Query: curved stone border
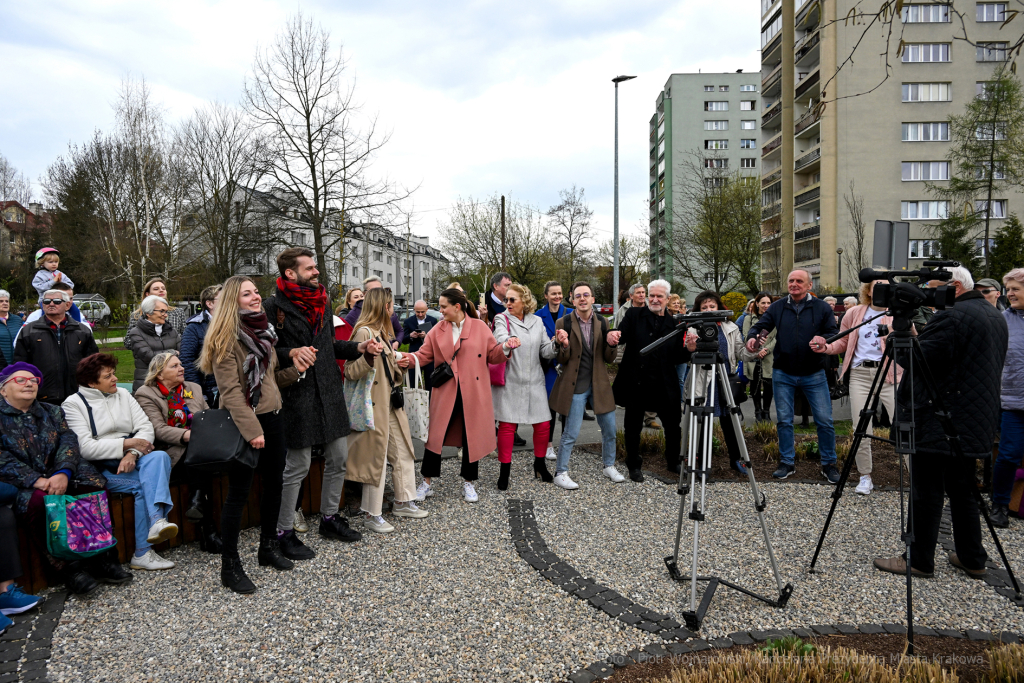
column 25, row 647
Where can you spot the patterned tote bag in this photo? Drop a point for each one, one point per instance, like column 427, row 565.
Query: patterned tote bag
column 359, row 402
column 78, row 526
column 417, row 405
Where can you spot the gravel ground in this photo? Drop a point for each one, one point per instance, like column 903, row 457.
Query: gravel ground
column 620, row 533
column 445, row 598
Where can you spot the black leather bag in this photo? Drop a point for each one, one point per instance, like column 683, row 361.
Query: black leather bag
column 397, row 395
column 443, row 372
column 216, row 442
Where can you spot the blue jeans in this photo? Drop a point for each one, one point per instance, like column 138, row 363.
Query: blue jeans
column 1011, row 451
column 681, row 370
column 148, row 483
column 7, row 493
column 571, row 430
column 816, row 390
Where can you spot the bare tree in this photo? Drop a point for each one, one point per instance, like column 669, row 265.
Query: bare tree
column 634, row 262
column 319, row 151
column 855, row 254
column 14, row 185
column 570, row 221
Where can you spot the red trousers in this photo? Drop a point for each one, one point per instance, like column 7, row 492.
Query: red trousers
column 506, row 437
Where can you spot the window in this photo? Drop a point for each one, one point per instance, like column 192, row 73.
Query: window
column 723, row 88
column 981, row 172
column 715, row 182
column 991, row 52
column 991, row 131
column 998, row 208
column 925, row 14
column 748, row 144
column 771, row 29
column 425, row 281
column 661, row 167
column 926, row 52
column 355, row 272
column 991, row 11
column 716, row 163
column 716, row 144
column 661, row 148
column 709, row 88
column 716, row 125
column 748, row 88
column 923, row 210
column 716, row 106
column 748, row 163
column 747, row 105
column 406, row 263
column 661, row 205
column 924, row 248
column 389, row 277
column 980, row 248
column 807, row 251
column 379, row 273
column 298, row 238
column 925, row 170
column 748, row 125
column 926, row 92
column 925, row 132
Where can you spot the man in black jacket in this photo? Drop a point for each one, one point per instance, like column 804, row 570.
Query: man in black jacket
column 650, row 383
column 314, row 407
column 965, row 347
column 802, row 322
column 55, row 343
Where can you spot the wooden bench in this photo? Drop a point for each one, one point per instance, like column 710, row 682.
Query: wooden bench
column 37, row 573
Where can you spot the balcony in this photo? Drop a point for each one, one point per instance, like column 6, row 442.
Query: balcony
column 770, row 53
column 808, row 15
column 769, row 116
column 808, row 158
column 772, row 177
column 772, row 145
column 771, row 210
column 806, row 45
column 810, row 81
column 770, row 84
column 806, row 231
column 808, row 196
column 805, row 122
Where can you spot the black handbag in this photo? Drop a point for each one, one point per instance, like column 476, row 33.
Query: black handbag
column 216, row 442
column 397, row 395
column 443, row 372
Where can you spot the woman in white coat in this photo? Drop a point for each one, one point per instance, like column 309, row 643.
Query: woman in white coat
column 730, row 345
column 524, row 398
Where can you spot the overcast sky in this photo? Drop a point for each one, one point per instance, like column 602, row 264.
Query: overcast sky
column 480, row 96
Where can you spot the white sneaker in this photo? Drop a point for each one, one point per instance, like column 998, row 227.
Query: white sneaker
column 151, row 562
column 552, row 453
column 409, row 509
column 378, row 524
column 865, row 486
column 161, row 531
column 562, row 480
column 469, row 492
column 423, row 491
column 613, row 474
column 299, row 523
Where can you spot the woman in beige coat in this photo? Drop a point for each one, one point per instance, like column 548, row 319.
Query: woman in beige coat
column 390, row 440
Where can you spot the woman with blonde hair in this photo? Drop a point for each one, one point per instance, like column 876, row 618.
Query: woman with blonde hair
column 524, row 398
column 351, row 297
column 390, row 440
column 239, row 352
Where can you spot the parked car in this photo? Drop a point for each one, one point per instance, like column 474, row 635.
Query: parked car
column 94, row 308
column 605, row 309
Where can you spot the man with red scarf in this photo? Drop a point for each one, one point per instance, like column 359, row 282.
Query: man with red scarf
column 314, row 407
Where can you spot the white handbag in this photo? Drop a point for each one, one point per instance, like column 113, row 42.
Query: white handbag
column 417, row 405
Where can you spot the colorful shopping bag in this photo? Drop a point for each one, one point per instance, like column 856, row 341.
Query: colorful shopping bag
column 78, row 526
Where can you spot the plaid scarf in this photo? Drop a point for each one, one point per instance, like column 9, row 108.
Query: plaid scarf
column 312, row 302
column 178, row 414
column 259, row 340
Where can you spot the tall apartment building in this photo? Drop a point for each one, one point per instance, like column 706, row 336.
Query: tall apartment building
column 712, row 114
column 886, row 137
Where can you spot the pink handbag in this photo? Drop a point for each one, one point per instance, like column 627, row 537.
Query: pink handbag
column 497, row 370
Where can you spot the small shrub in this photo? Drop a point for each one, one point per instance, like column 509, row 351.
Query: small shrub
column 771, row 451
column 1006, row 663
column 651, row 443
column 791, row 646
column 735, row 302
column 764, row 432
column 807, row 450
column 842, row 450
column 881, row 432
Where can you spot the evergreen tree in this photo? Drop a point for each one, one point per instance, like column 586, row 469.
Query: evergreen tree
column 955, row 235
column 1008, row 250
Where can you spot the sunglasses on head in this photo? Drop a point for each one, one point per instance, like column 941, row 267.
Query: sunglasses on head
column 47, row 302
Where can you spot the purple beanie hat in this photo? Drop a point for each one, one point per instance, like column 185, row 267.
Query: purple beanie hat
column 20, row 366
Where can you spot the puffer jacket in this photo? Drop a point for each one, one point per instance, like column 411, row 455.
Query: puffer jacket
column 965, row 347
column 1013, row 368
column 146, row 343
column 191, row 346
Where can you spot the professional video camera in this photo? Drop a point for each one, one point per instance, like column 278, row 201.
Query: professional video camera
column 903, row 298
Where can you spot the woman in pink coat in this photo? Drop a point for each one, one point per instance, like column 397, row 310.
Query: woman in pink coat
column 467, row 345
column 863, row 353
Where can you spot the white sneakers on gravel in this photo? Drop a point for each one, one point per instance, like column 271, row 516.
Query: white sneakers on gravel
column 299, row 523
column 409, row 509
column 469, row 492
column 378, row 524
column 562, row 480
column 423, row 491
column 161, row 531
column 552, row 454
column 865, row 486
column 613, row 474
column 151, row 562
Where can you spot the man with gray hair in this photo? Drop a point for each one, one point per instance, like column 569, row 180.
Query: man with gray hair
column 55, row 343
column 650, row 383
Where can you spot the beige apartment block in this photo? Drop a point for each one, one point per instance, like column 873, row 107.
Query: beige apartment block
column 887, row 137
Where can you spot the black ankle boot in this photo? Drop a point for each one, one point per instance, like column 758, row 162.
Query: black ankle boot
column 505, row 470
column 209, row 539
column 106, row 569
column 196, row 507
column 77, row 580
column 541, row 470
column 998, row 515
column 270, row 555
column 233, row 576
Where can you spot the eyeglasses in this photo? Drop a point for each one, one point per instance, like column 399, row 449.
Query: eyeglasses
column 511, row 300
column 582, row 295
column 988, row 291
column 31, row 381
column 160, row 311
column 47, row 302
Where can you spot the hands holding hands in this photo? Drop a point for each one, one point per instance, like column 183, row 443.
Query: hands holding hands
column 562, row 337
column 371, row 346
column 818, row 345
column 512, row 343
column 303, row 357
column 613, row 338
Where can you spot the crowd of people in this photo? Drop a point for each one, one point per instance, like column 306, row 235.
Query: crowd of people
column 287, row 367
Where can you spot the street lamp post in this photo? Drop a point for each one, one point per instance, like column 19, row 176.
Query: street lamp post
column 839, row 252
column 615, row 237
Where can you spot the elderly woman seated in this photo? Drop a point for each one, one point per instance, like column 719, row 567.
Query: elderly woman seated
column 115, row 435
column 151, row 336
column 39, row 457
column 170, row 402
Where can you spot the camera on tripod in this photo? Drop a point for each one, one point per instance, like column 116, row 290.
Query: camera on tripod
column 705, row 325
column 903, row 298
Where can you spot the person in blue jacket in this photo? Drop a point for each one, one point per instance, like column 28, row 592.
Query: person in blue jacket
column 192, row 344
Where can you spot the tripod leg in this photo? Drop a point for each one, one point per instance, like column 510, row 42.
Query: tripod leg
column 707, row 423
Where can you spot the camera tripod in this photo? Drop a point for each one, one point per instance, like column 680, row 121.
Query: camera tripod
column 698, row 426
column 904, row 349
